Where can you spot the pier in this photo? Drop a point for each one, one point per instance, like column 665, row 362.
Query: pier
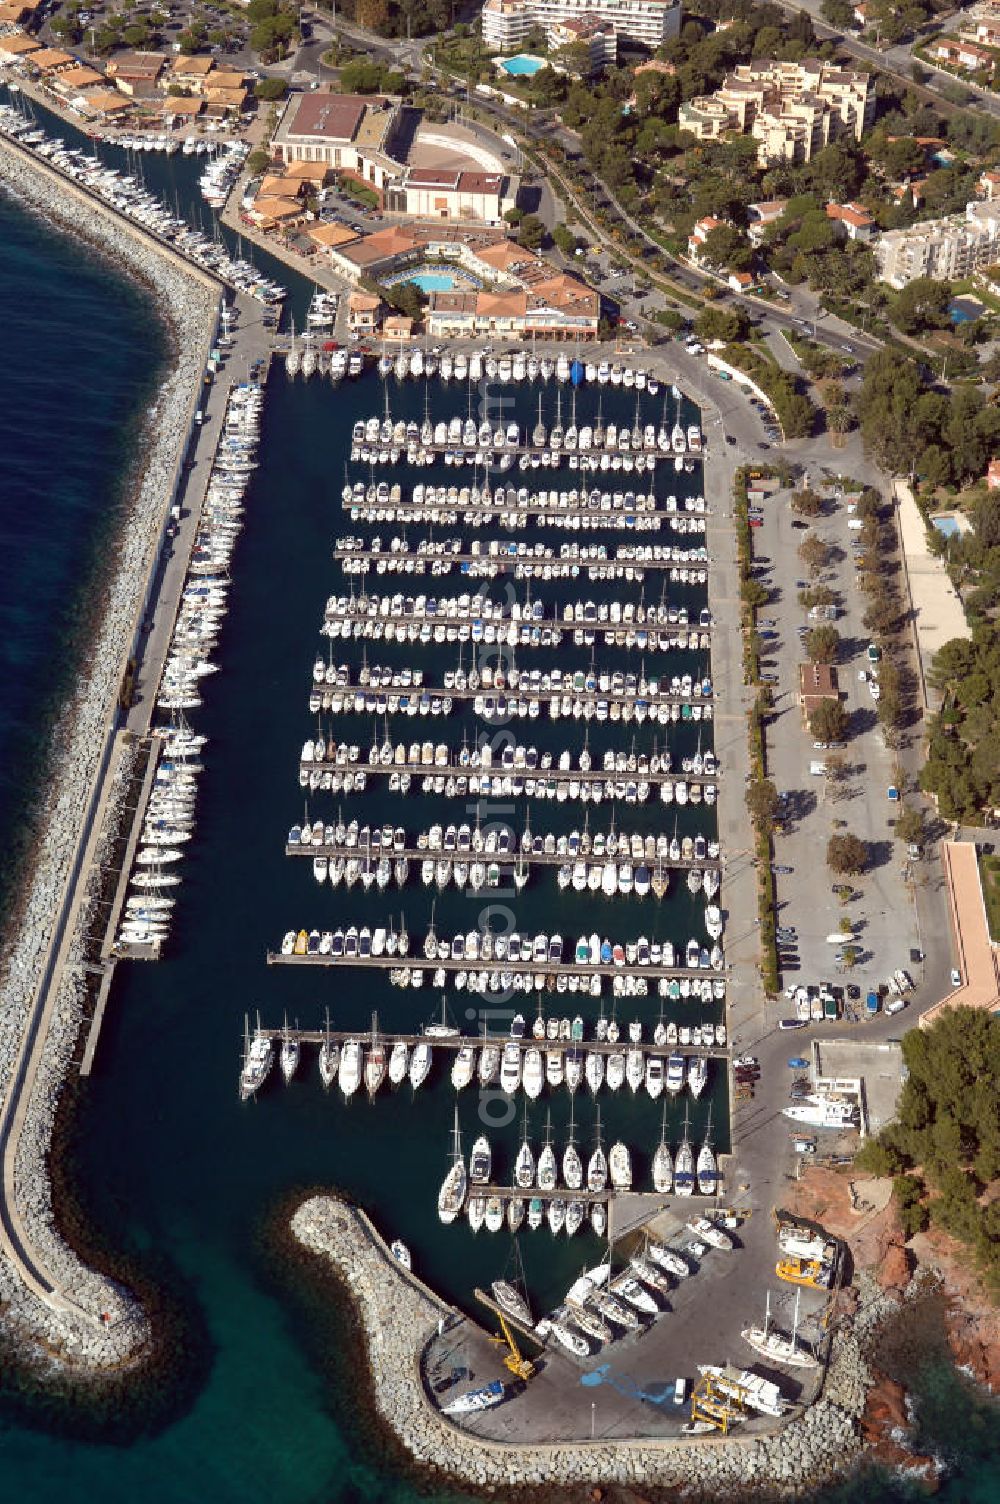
column 545, row 969
column 458, row 1042
column 504, row 860
column 595, row 569
column 521, row 773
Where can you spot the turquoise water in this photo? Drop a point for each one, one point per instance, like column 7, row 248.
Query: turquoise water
column 521, row 65
column 965, row 310
column 946, row 526
column 434, row 281
column 169, row 1167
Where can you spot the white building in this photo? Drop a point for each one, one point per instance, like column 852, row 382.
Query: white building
column 507, row 23
column 941, row 248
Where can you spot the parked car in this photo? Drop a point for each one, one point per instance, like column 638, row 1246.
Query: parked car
column 956, row 977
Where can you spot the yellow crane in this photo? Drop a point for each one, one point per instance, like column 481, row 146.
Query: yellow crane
column 520, row 1367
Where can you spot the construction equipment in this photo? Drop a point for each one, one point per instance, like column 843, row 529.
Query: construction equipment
column 520, row 1367
column 715, row 1405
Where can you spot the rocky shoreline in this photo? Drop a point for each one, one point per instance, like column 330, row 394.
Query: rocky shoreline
column 820, row 1444
column 102, row 1326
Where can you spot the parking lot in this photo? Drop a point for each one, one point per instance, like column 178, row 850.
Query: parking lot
column 827, row 787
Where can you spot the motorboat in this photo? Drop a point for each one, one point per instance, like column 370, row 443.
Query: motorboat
column 257, row 1064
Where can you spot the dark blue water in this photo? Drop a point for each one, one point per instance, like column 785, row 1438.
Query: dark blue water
column 80, row 363
column 168, row 1165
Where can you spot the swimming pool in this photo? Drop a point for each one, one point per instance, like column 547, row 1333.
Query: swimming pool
column 431, row 276
column 523, row 64
column 947, row 525
column 434, row 281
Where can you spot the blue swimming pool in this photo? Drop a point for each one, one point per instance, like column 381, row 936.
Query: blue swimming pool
column 434, row 281
column 947, row 526
column 523, row 64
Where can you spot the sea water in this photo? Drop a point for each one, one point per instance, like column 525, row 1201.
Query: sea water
column 168, row 1164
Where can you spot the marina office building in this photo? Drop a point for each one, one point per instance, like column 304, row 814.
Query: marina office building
column 375, row 140
column 508, row 23
column 941, row 248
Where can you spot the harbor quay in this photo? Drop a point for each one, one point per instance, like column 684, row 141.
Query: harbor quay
column 52, row 1303
column 556, row 1431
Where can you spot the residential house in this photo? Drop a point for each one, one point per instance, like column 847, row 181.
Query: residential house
column 761, row 216
column 960, row 54
column 189, row 73
column 993, row 475
column 363, row 310
column 52, row 60
column 17, row 47
column 700, row 233
column 853, row 220
column 397, row 328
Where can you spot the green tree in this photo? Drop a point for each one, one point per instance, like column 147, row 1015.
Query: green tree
column 909, row 827
column 922, row 304
column 725, row 324
column 806, row 502
column 823, row 644
column 828, row 721
column 846, row 854
column 726, row 249
column 531, row 232
column 762, row 800
column 270, row 88
column 814, row 553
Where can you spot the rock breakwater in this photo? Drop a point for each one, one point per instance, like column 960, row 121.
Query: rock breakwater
column 84, row 1320
column 817, row 1444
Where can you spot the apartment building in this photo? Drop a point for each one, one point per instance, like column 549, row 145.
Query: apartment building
column 507, row 23
column 791, row 109
column 941, row 248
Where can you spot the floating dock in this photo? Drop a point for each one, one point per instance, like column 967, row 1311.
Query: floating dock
column 478, row 963
column 476, row 1041
column 509, row 859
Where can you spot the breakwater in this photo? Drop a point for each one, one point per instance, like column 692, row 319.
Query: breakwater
column 50, row 1301
column 815, row 1445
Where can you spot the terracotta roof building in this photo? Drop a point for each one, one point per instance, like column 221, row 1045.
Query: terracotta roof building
column 136, row 72
column 817, row 682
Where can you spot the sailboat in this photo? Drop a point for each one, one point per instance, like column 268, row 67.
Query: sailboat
column 524, row 1165
column 572, row 1167
column 547, row 1168
column 597, row 1165
column 684, row 1164
column 329, row 1058
column 663, row 1167
column 708, row 1174
column 451, row 1197
column 787, row 1351
column 290, row 1051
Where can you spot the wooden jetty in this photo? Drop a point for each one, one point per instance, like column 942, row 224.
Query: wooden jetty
column 557, row 775
column 504, row 562
column 458, row 1041
column 480, row 963
column 505, row 702
column 508, row 859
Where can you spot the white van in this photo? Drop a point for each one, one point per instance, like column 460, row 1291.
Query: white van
column 896, row 1006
